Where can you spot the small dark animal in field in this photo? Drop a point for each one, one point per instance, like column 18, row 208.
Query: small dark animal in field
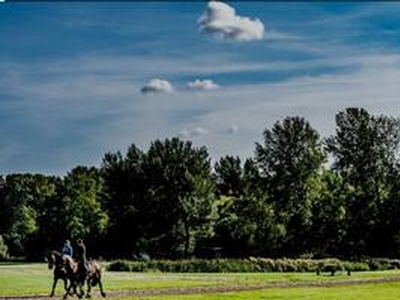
column 78, row 276
column 55, row 262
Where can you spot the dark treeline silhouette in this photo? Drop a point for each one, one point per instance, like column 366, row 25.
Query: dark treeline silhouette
column 170, row 202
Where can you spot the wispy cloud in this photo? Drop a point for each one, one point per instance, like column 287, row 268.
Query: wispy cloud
column 72, row 110
column 192, row 133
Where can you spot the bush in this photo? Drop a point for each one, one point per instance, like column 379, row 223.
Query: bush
column 357, row 266
column 253, row 264
column 382, row 264
column 3, row 249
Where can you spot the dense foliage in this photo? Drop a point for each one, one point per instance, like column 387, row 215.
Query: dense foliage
column 170, row 202
column 327, row 266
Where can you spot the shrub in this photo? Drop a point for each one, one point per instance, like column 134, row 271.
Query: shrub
column 253, row 264
column 3, row 249
column 357, row 266
column 382, row 264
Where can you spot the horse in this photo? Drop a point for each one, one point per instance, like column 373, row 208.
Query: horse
column 55, row 261
column 79, row 275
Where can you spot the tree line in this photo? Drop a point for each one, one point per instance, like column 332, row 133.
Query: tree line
column 299, row 195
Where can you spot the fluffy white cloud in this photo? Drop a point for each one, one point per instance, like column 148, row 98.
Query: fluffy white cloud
column 222, row 20
column 203, row 85
column 157, row 86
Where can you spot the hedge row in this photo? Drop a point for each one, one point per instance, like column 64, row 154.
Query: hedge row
column 253, row 264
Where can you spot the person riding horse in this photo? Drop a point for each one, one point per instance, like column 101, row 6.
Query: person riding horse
column 83, row 267
column 67, row 249
column 81, row 271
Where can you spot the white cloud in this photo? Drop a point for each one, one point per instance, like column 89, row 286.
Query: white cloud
column 192, row 133
column 203, row 85
column 222, row 20
column 157, row 86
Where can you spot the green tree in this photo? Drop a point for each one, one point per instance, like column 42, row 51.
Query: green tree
column 252, row 181
column 245, row 226
column 159, row 202
column 228, row 172
column 24, row 201
column 124, row 187
column 365, row 150
column 179, row 196
column 289, row 158
column 82, row 197
column 330, row 195
column 20, row 216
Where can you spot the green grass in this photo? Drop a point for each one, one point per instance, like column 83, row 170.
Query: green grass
column 387, row 291
column 36, row 279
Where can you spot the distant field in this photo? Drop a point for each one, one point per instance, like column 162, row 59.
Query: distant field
column 36, row 279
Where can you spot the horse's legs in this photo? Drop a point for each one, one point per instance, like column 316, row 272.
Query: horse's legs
column 72, row 285
column 54, row 286
column 81, row 291
column 68, row 290
column 76, row 290
column 101, row 288
column 89, row 288
column 65, row 283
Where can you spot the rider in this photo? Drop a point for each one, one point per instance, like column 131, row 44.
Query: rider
column 67, row 250
column 81, row 256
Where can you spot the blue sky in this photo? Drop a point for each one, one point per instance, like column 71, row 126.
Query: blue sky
column 80, row 79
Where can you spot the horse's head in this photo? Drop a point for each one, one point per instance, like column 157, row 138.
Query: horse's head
column 53, row 258
column 50, row 259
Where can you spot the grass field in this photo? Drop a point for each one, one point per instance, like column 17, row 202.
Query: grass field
column 36, row 279
column 388, row 291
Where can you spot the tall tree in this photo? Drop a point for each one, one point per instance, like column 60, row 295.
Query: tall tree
column 159, row 202
column 365, row 151
column 180, row 196
column 86, row 213
column 24, row 202
column 290, row 156
column 124, row 188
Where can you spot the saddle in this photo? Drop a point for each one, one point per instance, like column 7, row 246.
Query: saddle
column 70, row 264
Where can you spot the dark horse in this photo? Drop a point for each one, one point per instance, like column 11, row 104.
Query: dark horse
column 79, row 275
column 55, row 261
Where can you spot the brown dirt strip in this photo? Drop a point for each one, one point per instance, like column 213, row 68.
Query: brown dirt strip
column 224, row 289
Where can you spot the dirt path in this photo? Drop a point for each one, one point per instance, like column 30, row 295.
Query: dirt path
column 222, row 289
